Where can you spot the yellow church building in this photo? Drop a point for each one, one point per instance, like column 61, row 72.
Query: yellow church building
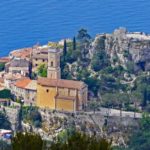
column 59, row 94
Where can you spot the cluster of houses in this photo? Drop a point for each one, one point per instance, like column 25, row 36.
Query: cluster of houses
column 51, row 92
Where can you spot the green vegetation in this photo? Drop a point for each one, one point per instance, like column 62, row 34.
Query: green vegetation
column 32, row 116
column 27, row 141
column 140, row 139
column 107, row 78
column 6, row 94
column 99, row 61
column 42, row 70
column 2, row 67
column 82, row 142
column 4, row 122
column 77, row 141
column 4, row 145
column 66, row 134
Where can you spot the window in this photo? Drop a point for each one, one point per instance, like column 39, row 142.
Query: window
column 52, row 64
column 43, row 60
column 47, row 90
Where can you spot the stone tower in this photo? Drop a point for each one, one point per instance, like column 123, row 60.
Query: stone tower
column 54, row 71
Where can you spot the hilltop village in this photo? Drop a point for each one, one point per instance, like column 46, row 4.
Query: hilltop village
column 49, row 92
column 94, row 85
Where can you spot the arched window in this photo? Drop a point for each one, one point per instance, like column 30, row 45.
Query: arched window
column 52, row 64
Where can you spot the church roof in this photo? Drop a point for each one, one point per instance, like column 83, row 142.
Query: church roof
column 61, row 83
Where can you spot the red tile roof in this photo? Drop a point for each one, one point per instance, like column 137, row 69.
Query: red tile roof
column 4, row 60
column 22, row 83
column 22, row 53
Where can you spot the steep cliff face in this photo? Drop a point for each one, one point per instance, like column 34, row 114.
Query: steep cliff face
column 122, row 46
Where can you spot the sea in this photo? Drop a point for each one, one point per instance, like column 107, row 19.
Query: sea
column 24, row 23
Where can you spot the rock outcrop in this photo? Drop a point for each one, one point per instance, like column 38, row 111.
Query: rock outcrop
column 124, row 47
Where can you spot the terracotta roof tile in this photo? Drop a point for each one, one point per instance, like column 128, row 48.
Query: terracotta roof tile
column 4, row 60
column 61, row 83
column 22, row 83
column 22, row 53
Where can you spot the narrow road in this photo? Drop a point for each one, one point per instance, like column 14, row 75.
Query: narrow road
column 116, row 112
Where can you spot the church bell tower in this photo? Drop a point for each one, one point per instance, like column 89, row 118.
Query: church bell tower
column 54, row 71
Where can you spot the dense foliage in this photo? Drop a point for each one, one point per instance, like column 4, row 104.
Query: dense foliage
column 2, row 66
column 140, row 138
column 4, row 122
column 4, row 145
column 82, row 142
column 32, row 116
column 42, row 70
column 27, row 141
column 5, row 94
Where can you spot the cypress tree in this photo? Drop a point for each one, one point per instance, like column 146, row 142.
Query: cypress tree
column 144, row 97
column 65, row 48
column 74, row 43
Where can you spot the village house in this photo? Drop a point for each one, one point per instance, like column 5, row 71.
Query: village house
column 39, row 56
column 18, row 65
column 10, row 78
column 25, row 89
column 24, row 53
column 59, row 94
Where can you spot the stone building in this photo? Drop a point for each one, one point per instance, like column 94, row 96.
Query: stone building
column 58, row 94
column 39, row 56
column 18, row 65
column 25, row 89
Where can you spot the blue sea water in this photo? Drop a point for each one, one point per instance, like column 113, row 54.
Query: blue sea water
column 24, row 23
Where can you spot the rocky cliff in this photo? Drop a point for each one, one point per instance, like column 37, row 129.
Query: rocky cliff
column 122, row 46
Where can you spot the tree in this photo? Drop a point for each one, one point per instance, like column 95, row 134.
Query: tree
column 99, row 61
column 2, row 66
column 42, row 70
column 83, row 35
column 93, row 84
column 135, row 98
column 140, row 139
column 144, row 103
column 4, row 145
column 4, row 122
column 74, row 43
column 31, row 115
column 19, row 125
column 27, row 141
column 6, row 94
column 80, row 141
column 94, row 105
column 84, row 40
column 65, row 48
